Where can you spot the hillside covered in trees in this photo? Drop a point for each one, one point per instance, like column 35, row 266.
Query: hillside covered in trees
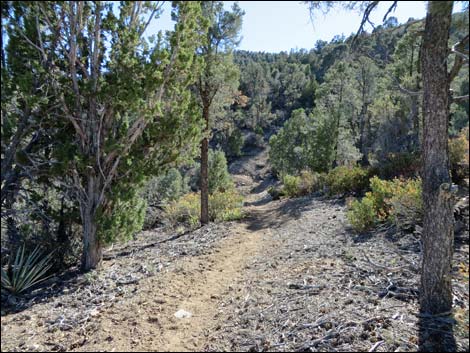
column 172, row 192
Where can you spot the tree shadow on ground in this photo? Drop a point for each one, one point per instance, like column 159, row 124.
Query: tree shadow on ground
column 436, row 333
column 277, row 214
column 280, row 212
column 262, row 201
column 266, row 183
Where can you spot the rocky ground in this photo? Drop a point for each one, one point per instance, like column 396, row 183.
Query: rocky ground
column 290, row 276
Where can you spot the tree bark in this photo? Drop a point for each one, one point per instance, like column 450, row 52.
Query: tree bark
column 338, row 122
column 414, row 120
column 92, row 247
column 204, row 171
column 362, row 135
column 436, row 291
column 365, row 84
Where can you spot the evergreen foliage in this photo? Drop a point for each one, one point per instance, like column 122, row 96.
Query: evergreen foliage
column 219, row 177
column 302, row 143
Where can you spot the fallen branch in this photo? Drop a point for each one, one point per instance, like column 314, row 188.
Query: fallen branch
column 376, row 345
column 303, row 287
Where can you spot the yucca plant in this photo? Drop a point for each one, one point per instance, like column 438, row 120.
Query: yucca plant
column 26, row 271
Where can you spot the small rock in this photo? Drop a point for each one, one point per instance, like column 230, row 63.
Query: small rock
column 153, row 319
column 348, row 301
column 182, row 314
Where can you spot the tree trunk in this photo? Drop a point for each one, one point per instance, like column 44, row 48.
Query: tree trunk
column 338, row 122
column 362, row 135
column 334, row 163
column 436, row 291
column 204, row 171
column 14, row 237
column 92, row 249
column 414, row 120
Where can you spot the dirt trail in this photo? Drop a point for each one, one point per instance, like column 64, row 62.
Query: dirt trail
column 143, row 319
column 290, row 276
column 195, row 286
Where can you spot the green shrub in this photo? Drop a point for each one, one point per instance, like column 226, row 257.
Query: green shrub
column 312, row 181
column 396, row 201
column 291, row 185
column 187, row 210
column 304, row 184
column 304, row 142
column 235, row 143
column 167, row 187
column 362, row 214
column 25, row 271
column 343, row 180
column 160, row 190
column 381, row 192
column 276, row 192
column 458, row 148
column 126, row 218
column 308, row 181
column 407, row 204
column 223, row 206
column 404, row 164
column 219, row 177
column 458, row 156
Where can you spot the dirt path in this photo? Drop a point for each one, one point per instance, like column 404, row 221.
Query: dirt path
column 146, row 322
column 143, row 318
column 291, row 276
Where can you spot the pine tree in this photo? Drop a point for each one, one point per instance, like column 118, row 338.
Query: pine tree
column 219, row 79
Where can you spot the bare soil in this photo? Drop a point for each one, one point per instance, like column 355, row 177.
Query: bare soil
column 290, row 276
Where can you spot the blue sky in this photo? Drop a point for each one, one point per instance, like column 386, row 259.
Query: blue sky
column 274, row 26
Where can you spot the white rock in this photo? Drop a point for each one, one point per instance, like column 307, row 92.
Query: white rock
column 182, row 314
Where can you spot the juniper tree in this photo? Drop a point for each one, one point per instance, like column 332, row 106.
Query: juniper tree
column 29, row 135
column 125, row 97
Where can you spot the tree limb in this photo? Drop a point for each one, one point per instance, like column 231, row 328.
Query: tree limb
column 365, row 18
column 460, row 57
column 460, row 98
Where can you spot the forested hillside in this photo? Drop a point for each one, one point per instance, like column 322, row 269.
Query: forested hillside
column 363, row 97
column 173, row 192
